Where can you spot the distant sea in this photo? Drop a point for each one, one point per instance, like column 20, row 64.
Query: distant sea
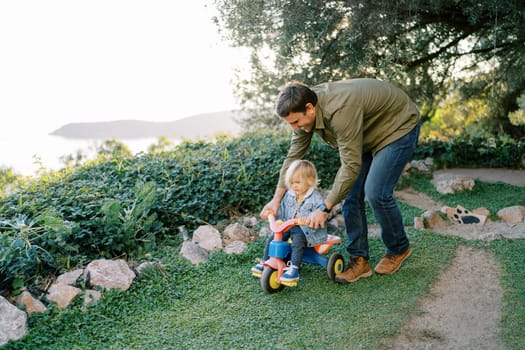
column 24, row 153
column 27, row 149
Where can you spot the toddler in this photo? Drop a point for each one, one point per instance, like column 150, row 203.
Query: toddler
column 301, row 199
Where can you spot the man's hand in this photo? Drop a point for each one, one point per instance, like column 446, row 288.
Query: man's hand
column 271, row 208
column 317, row 219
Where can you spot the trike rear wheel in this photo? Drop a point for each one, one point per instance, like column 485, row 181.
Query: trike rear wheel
column 269, row 280
column 335, row 265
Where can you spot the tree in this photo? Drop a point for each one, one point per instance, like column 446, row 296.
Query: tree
column 9, row 179
column 427, row 46
column 113, row 148
column 163, row 144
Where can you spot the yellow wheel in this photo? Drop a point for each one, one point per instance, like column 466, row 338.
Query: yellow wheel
column 269, row 281
column 335, row 265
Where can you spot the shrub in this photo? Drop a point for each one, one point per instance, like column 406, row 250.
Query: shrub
column 32, row 247
column 122, row 205
column 474, row 152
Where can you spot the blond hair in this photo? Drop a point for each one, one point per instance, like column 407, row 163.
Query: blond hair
column 304, row 169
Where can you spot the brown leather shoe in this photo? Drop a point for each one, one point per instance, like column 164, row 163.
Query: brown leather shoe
column 390, row 263
column 359, row 268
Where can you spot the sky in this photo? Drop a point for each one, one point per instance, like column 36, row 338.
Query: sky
column 64, row 61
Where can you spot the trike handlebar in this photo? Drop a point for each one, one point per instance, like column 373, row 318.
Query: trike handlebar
column 279, row 226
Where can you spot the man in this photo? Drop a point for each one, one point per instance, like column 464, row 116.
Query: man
column 375, row 127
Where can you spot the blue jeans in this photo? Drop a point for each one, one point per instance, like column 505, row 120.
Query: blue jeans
column 376, row 182
column 299, row 243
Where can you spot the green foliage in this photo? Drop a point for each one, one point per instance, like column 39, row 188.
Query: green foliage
column 163, row 144
column 9, row 180
column 517, row 117
column 455, row 116
column 426, row 46
column 474, row 152
column 130, row 229
column 113, row 148
column 31, row 248
column 107, row 149
column 121, row 206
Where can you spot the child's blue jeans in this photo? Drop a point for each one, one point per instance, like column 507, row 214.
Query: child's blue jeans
column 298, row 244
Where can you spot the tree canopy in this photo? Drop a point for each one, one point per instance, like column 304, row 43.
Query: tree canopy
column 429, row 47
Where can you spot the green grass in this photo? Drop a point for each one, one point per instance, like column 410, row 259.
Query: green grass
column 219, row 305
column 510, row 255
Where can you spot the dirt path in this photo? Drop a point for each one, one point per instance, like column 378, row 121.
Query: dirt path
column 417, row 199
column 463, row 308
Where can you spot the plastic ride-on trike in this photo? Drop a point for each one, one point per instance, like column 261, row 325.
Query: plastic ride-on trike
column 279, row 252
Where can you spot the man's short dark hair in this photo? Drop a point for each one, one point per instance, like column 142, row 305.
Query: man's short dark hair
column 293, row 98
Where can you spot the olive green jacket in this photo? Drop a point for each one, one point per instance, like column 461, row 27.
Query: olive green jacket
column 355, row 116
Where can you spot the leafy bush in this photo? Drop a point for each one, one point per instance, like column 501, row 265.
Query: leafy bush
column 122, row 205
column 32, row 247
column 123, row 227
column 474, row 152
column 8, row 180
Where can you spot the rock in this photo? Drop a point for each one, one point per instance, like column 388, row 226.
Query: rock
column 62, row 294
column 236, row 232
column 109, row 274
column 432, row 219
column 424, row 165
column 70, row 277
column 236, row 247
column 461, row 215
column 193, row 252
column 490, row 236
column 512, row 215
column 419, row 223
column 447, row 183
column 91, row 296
column 147, row 265
column 30, row 303
column 207, row 237
column 13, row 322
column 481, row 211
column 265, row 232
column 250, row 221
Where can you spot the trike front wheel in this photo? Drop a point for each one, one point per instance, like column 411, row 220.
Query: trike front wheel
column 269, row 281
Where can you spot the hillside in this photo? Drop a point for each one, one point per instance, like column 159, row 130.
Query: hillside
column 197, row 126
